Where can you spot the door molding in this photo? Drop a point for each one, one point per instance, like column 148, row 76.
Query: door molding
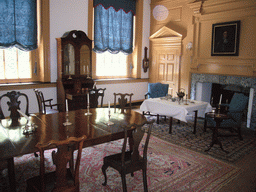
column 165, row 40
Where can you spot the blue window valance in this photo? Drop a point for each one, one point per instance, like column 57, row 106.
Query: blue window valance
column 113, row 28
column 126, row 5
column 18, row 24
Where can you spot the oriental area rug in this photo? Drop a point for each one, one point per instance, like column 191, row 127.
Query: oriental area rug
column 182, row 135
column 170, row 168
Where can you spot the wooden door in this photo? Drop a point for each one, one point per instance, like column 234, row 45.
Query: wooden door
column 167, row 64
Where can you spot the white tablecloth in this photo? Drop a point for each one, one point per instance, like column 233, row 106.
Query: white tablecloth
column 174, row 109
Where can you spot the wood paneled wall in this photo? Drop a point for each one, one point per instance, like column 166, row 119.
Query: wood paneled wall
column 194, row 20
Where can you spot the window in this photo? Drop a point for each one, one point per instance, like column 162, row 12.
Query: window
column 113, row 38
column 28, row 66
column 111, row 65
column 14, row 64
column 133, row 61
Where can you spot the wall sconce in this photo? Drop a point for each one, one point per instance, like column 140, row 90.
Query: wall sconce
column 189, row 46
column 145, row 62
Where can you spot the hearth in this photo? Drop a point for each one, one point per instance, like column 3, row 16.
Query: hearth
column 227, row 85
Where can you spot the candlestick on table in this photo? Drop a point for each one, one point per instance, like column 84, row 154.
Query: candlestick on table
column 109, row 115
column 88, row 99
column 66, row 105
column 220, row 98
column 88, row 104
column 66, row 123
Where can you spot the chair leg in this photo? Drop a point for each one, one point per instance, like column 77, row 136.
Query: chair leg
column 104, row 168
column 124, row 182
column 205, row 124
column 145, row 184
column 239, row 133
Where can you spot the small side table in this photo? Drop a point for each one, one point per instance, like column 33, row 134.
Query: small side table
column 218, row 118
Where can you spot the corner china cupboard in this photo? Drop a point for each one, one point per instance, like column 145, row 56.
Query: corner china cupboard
column 74, row 50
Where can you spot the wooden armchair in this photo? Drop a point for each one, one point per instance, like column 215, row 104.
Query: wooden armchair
column 45, row 106
column 123, row 101
column 63, row 179
column 130, row 161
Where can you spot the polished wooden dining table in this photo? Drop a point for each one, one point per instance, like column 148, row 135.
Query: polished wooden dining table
column 100, row 126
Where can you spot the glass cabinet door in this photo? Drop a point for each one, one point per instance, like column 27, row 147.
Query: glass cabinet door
column 85, row 60
column 69, row 59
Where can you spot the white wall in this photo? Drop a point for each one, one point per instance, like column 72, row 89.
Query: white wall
column 73, row 15
column 65, row 15
column 49, row 93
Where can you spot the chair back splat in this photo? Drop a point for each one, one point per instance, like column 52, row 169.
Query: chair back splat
column 97, row 93
column 13, row 103
column 63, row 179
column 123, row 101
column 129, row 161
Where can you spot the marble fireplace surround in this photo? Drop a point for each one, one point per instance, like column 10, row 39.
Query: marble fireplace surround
column 248, row 82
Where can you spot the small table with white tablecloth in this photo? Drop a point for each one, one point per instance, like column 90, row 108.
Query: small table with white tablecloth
column 176, row 109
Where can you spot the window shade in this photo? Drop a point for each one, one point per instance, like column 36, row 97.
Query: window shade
column 18, row 24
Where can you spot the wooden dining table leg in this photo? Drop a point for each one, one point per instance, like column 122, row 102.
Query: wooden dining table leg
column 131, row 142
column 195, row 121
column 170, row 125
column 11, row 174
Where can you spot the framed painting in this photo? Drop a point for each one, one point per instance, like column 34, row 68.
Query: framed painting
column 225, row 39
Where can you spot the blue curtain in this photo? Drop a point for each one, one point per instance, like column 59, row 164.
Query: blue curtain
column 18, row 24
column 113, row 30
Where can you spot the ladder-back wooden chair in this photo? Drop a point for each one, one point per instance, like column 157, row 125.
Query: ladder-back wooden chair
column 130, row 161
column 63, row 179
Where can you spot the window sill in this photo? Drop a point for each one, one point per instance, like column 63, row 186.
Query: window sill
column 120, row 80
column 32, row 85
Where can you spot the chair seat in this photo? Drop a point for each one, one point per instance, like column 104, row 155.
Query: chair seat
column 115, row 162
column 50, row 178
column 51, row 111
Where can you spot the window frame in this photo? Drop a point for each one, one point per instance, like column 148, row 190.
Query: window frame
column 135, row 57
column 40, row 56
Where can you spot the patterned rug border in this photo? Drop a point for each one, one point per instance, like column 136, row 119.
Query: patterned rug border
column 197, row 158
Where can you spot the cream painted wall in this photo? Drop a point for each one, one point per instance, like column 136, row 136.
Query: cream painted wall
column 146, row 33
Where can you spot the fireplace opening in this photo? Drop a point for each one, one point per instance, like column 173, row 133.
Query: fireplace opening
column 227, row 92
column 213, row 92
column 201, row 90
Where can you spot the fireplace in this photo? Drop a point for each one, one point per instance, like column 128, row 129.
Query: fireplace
column 246, row 83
